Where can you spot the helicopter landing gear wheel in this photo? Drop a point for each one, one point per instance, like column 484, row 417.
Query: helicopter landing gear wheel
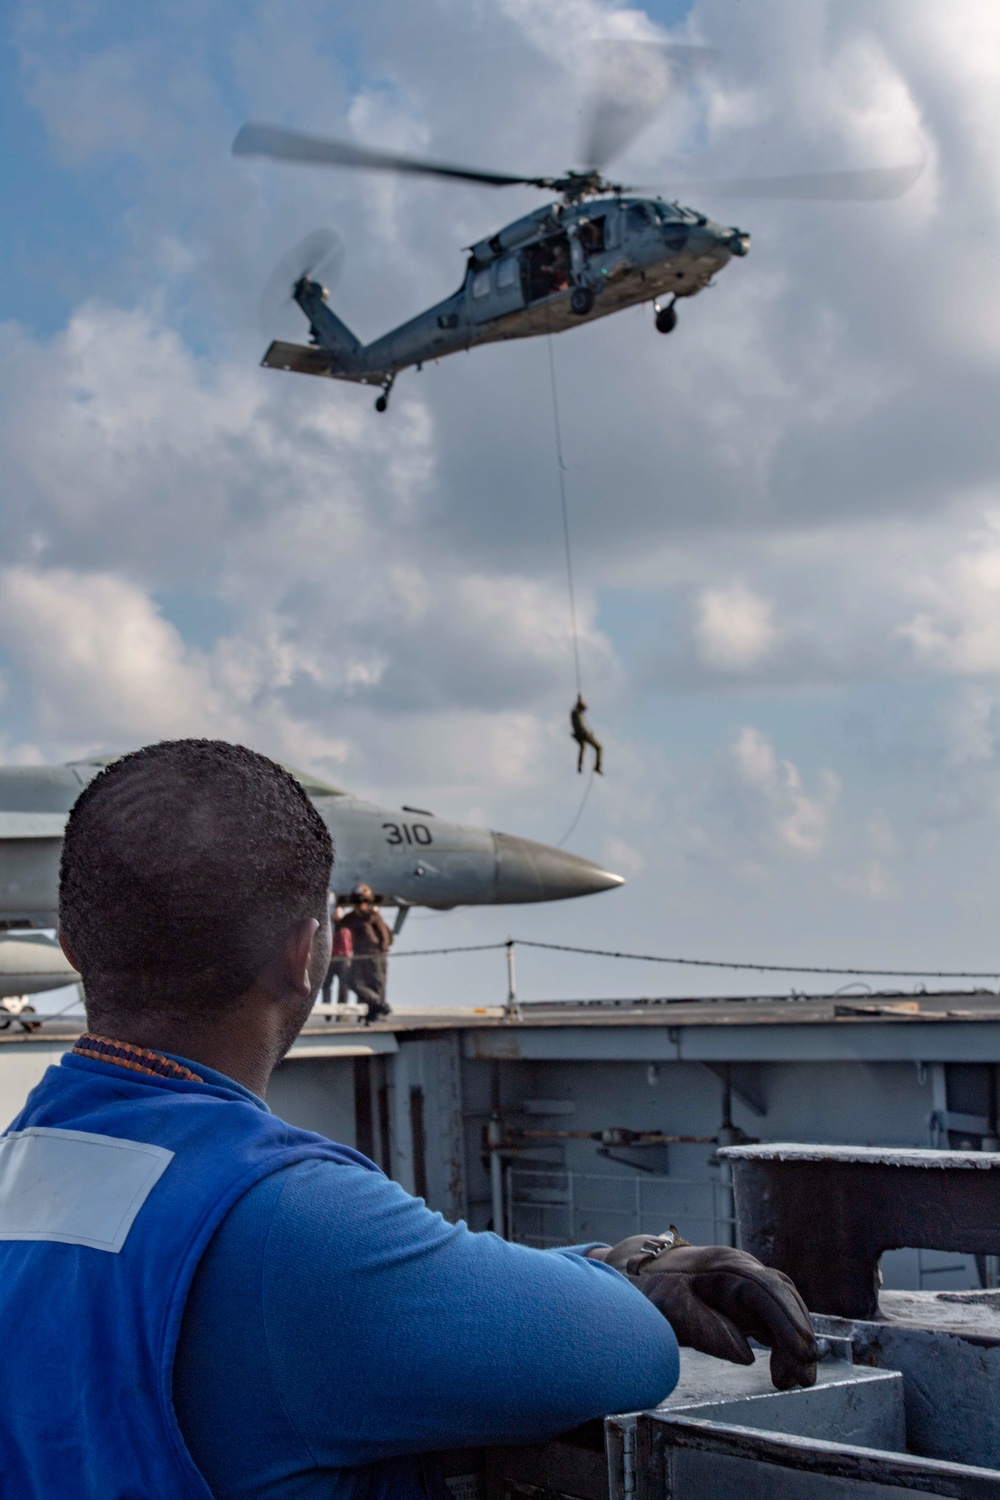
column 382, row 402
column 666, row 319
column 582, row 301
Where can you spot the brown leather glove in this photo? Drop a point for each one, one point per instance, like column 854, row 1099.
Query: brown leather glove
column 715, row 1298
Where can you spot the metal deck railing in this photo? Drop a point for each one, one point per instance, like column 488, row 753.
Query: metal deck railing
column 551, row 1206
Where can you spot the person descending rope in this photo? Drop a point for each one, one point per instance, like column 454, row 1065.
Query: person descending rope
column 584, row 735
column 581, row 730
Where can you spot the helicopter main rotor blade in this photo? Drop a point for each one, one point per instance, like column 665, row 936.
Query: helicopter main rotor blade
column 293, row 145
column 871, row 185
column 633, row 85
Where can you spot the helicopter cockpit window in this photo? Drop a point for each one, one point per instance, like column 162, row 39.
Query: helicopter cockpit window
column 507, row 273
column 481, row 283
column 637, row 218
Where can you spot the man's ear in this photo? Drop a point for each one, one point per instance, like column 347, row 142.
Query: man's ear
column 67, row 950
column 299, row 956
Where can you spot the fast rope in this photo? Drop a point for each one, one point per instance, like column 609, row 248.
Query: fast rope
column 579, row 811
column 707, row 963
column 565, row 516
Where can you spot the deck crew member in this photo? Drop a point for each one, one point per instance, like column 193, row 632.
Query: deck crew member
column 340, row 961
column 370, row 943
column 200, row 1300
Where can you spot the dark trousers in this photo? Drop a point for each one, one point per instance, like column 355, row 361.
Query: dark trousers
column 584, row 739
column 340, row 969
column 368, row 981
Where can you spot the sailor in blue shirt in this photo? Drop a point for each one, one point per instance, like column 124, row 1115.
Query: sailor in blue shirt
column 200, row 1300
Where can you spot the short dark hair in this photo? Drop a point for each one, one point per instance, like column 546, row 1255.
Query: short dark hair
column 183, row 866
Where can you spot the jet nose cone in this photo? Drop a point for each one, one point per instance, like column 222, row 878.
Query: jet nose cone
column 527, row 871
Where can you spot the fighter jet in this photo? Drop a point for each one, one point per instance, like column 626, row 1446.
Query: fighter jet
column 408, row 856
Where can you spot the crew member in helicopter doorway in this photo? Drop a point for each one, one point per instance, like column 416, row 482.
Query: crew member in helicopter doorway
column 370, row 942
column 584, row 735
column 340, row 960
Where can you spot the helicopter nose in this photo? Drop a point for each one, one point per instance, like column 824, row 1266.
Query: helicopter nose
column 527, row 871
column 737, row 242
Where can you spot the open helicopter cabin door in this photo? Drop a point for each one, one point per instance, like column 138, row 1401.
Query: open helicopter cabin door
column 546, row 267
column 495, row 290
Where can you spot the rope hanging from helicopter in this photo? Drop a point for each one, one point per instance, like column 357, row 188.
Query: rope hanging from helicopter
column 561, row 465
column 570, row 583
column 579, row 812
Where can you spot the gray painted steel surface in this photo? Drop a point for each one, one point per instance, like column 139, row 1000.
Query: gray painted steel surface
column 684, row 1459
column 947, row 1348
column 860, row 1405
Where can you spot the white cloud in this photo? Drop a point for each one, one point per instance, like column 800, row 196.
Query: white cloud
column 734, row 628
column 103, row 662
column 797, row 821
column 958, row 631
column 108, row 671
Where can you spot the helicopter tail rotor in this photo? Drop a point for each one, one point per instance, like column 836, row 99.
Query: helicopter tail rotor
column 318, row 257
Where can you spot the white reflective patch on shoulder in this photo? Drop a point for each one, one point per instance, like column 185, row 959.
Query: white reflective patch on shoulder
column 74, row 1187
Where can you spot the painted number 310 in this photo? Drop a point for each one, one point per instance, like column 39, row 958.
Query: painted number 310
column 402, row 833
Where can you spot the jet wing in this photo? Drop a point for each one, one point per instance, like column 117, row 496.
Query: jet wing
column 303, row 359
column 32, row 825
column 406, row 855
column 30, row 964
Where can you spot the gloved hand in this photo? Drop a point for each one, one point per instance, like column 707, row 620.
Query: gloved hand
column 715, row 1298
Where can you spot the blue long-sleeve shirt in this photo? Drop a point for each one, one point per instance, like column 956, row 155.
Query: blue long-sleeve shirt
column 335, row 1323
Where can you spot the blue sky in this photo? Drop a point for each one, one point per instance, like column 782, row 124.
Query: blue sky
column 785, row 516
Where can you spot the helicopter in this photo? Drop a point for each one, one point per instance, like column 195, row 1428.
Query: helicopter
column 598, row 248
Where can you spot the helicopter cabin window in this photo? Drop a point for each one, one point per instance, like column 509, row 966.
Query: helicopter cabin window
column 546, row 267
column 612, row 235
column 481, row 283
column 507, row 273
column 637, row 218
